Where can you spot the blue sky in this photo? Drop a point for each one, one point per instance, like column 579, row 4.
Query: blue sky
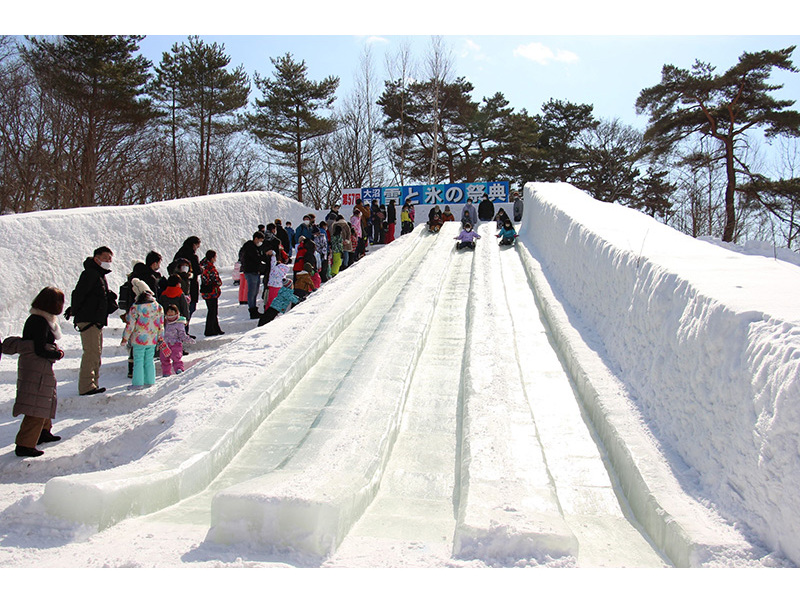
column 602, row 53
column 605, row 71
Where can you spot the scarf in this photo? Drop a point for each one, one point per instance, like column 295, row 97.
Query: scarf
column 51, row 320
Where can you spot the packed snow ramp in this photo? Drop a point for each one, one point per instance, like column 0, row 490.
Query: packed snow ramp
column 434, row 409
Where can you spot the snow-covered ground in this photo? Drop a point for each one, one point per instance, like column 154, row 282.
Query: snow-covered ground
column 608, row 393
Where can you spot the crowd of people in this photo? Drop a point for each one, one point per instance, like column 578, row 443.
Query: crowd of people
column 280, row 266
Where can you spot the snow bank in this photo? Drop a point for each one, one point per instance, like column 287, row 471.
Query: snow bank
column 705, row 345
column 48, row 247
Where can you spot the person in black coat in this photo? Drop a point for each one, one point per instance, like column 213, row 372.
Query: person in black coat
column 283, row 236
column 188, row 251
column 486, row 209
column 253, row 265
column 91, row 304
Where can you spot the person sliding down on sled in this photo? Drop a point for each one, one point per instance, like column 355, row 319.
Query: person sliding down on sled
column 507, row 233
column 435, row 219
column 466, row 238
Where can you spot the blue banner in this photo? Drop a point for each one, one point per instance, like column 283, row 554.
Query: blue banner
column 430, row 194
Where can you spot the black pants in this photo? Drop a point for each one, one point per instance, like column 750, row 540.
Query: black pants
column 212, row 318
column 268, row 316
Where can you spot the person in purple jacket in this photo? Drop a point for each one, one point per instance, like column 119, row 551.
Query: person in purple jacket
column 467, row 237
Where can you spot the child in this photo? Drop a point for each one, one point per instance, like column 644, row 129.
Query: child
column 466, row 238
column 303, row 282
column 277, row 271
column 281, row 303
column 174, row 338
column 507, row 233
column 145, row 330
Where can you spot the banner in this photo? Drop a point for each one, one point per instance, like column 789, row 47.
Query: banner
column 429, row 194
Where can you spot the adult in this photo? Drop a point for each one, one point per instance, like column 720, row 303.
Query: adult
column 188, row 251
column 210, row 290
column 91, row 304
column 468, row 214
column 376, row 223
column 303, row 230
column 347, row 241
column 253, row 267
column 322, row 246
column 518, row 207
column 391, row 221
column 149, row 272
column 292, row 237
column 406, row 218
column 283, row 235
column 36, row 397
column 485, row 209
column 333, row 214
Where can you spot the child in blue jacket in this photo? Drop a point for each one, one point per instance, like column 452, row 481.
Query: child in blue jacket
column 281, row 303
column 507, row 233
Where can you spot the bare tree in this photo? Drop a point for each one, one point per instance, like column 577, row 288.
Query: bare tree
column 439, row 66
column 400, row 69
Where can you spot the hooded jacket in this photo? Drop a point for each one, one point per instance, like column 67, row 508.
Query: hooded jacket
column 91, row 301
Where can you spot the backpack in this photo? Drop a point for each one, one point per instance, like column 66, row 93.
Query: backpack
column 125, row 300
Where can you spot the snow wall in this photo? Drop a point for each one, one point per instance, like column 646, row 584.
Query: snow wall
column 47, row 248
column 706, row 342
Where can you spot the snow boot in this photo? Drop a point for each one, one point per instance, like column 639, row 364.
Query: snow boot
column 46, row 437
column 25, row 451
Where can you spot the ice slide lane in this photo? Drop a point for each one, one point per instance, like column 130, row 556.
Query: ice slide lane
column 603, row 525
column 309, row 501
column 413, row 516
column 103, row 498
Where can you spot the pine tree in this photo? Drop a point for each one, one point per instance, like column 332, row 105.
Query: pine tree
column 723, row 107
column 287, row 118
column 196, row 83
column 103, row 82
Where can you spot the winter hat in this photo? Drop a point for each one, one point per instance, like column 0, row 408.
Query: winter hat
column 139, row 287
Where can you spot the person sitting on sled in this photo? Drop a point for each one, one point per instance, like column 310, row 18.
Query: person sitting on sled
column 435, row 219
column 467, row 237
column 507, row 233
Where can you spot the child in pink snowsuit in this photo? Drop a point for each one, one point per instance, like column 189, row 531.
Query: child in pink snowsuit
column 174, row 337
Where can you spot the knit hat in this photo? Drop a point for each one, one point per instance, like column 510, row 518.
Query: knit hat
column 139, row 287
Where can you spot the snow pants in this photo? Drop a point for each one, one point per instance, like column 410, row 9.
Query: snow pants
column 144, row 367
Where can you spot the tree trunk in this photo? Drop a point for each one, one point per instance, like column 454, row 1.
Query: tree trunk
column 730, row 190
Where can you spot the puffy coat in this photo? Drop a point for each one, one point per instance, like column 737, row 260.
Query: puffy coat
column 284, row 299
column 174, row 296
column 252, row 258
column 347, row 244
column 187, row 252
column 486, row 210
column 36, row 381
column 467, row 236
column 145, row 323
column 91, row 300
column 210, row 275
column 175, row 331
column 469, row 214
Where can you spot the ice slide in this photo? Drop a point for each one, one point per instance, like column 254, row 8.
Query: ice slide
column 437, row 412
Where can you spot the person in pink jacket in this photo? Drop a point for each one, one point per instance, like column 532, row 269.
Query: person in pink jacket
column 145, row 330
